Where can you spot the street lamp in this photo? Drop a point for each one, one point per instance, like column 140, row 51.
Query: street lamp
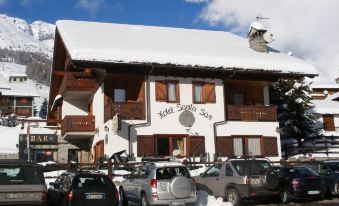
column 29, row 140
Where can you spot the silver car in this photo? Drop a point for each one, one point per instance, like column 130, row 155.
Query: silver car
column 159, row 183
column 21, row 183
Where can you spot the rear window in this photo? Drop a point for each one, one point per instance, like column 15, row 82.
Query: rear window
column 302, row 171
column 10, row 175
column 83, row 182
column 166, row 173
column 254, row 167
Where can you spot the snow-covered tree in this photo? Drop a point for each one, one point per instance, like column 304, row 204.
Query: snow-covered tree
column 43, row 109
column 294, row 101
column 9, row 121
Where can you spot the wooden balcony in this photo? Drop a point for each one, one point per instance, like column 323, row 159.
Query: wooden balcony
column 251, row 113
column 129, row 110
column 78, row 83
column 78, row 126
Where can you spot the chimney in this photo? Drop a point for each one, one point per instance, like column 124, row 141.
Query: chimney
column 337, row 80
column 258, row 38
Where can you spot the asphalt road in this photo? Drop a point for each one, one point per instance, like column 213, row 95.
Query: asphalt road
column 328, row 202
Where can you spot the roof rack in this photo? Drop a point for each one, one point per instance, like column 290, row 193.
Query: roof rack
column 247, row 157
column 155, row 159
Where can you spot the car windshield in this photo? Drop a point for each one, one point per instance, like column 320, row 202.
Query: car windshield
column 10, row 175
column 255, row 167
column 166, row 173
column 304, row 171
column 84, row 182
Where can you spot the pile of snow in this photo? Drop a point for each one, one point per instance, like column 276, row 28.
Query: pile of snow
column 51, row 176
column 46, row 163
column 203, row 199
column 9, row 138
column 198, row 171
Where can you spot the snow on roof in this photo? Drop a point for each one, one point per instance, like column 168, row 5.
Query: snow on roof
column 258, row 26
column 9, row 138
column 326, row 106
column 17, row 75
column 121, row 43
column 325, row 86
column 3, row 83
column 23, row 89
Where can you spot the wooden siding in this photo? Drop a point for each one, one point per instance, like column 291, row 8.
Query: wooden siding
column 328, row 123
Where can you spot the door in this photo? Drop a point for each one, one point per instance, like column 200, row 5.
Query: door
column 130, row 185
column 210, row 179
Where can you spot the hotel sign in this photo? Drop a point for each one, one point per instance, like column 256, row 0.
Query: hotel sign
column 38, row 139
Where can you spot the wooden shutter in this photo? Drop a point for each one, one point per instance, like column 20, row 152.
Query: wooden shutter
column 196, row 145
column 328, row 123
column 177, row 92
column 209, row 93
column 270, row 146
column 225, row 146
column 161, row 91
column 145, row 146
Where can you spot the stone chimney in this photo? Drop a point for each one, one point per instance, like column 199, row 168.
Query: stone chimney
column 258, row 38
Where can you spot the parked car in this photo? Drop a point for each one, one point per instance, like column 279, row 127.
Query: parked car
column 159, row 183
column 300, row 183
column 83, row 188
column 238, row 179
column 21, row 183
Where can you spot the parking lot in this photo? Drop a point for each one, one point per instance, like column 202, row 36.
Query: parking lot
column 327, row 202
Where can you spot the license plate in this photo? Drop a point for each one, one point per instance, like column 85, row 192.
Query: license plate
column 254, row 181
column 15, row 196
column 95, row 196
column 315, row 192
column 174, row 203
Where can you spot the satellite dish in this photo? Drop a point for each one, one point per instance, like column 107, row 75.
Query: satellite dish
column 325, row 92
column 186, row 118
column 268, row 37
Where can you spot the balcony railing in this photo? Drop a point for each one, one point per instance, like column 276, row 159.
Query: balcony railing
column 78, row 123
column 129, row 110
column 251, row 113
column 78, row 81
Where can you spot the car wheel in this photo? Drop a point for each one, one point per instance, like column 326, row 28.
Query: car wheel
column 144, row 201
column 123, row 197
column 285, row 196
column 233, row 197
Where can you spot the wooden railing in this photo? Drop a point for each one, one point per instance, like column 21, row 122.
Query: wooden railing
column 78, row 123
column 129, row 110
column 251, row 113
column 78, row 81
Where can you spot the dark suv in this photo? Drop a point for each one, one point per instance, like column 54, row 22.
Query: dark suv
column 83, row 188
column 238, row 179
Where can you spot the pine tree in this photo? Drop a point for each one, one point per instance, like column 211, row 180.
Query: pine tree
column 43, row 109
column 294, row 102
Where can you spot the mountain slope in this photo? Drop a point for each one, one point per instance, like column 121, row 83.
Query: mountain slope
column 17, row 35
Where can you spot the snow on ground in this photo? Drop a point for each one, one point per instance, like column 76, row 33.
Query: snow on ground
column 203, row 199
column 9, row 138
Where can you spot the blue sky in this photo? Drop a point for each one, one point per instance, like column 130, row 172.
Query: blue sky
column 173, row 13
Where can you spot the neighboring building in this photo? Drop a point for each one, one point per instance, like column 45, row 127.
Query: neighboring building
column 179, row 92
column 17, row 95
column 321, row 91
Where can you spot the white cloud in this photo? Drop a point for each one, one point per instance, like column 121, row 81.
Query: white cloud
column 91, row 6
column 3, row 2
column 309, row 28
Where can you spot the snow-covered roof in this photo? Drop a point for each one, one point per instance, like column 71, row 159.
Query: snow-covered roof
column 326, row 106
column 325, row 86
column 122, row 43
column 23, row 89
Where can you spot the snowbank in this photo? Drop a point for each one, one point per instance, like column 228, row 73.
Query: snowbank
column 204, row 199
column 9, row 138
column 198, row 171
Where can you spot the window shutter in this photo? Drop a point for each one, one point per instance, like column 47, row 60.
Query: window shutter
column 328, row 123
column 196, row 145
column 161, row 91
column 270, row 146
column 177, row 91
column 225, row 146
column 145, row 146
column 209, row 93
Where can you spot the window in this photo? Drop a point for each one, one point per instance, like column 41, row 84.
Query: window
column 203, row 92
column 167, row 91
column 171, row 91
column 239, row 99
column 119, row 95
column 213, row 171
column 229, row 171
column 197, row 93
column 253, row 146
column 238, row 147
